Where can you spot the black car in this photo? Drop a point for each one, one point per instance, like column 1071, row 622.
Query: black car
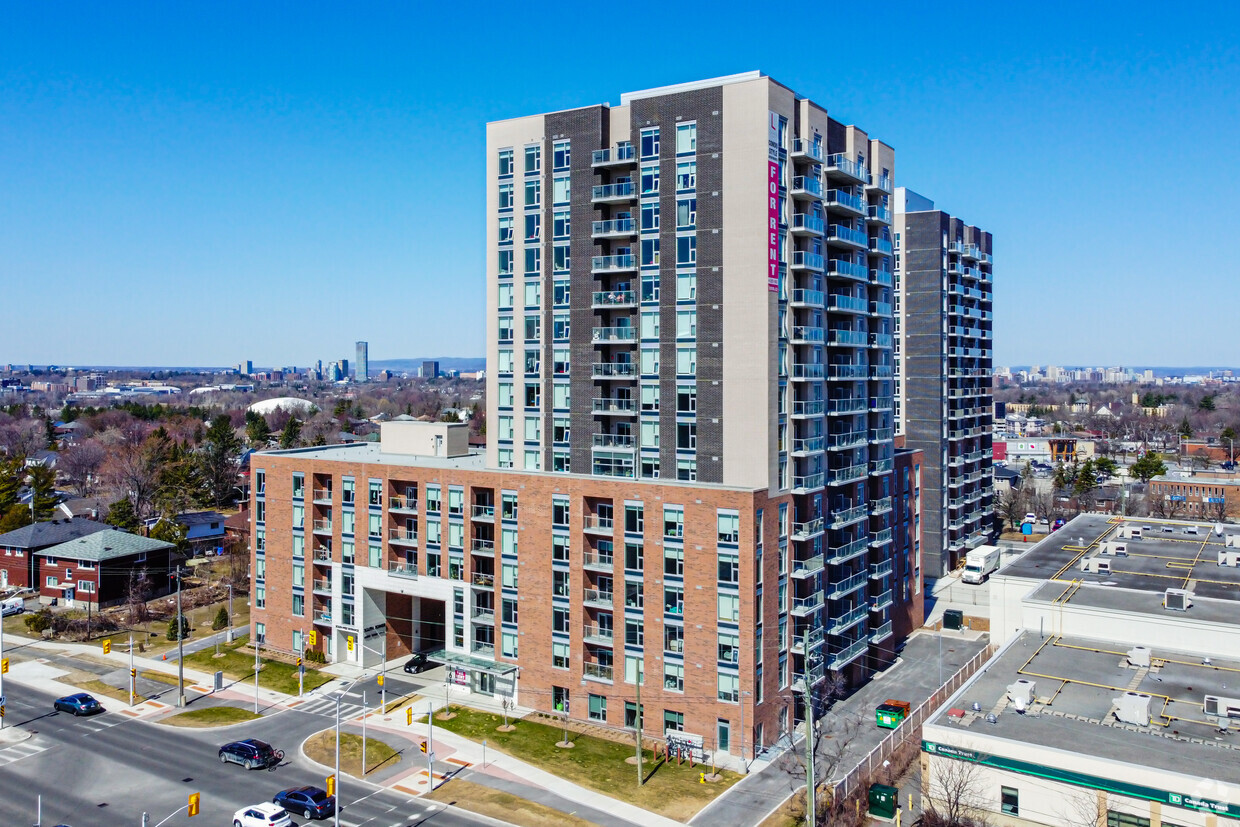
column 418, row 663
column 311, row 802
column 79, row 704
column 250, row 753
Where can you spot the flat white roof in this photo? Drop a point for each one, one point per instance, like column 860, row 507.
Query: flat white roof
column 628, row 97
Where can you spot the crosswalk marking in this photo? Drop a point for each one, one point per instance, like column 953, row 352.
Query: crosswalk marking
column 19, row 751
column 327, row 708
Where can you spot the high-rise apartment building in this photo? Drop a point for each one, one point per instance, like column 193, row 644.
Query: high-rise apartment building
column 690, row 470
column 944, row 364
column 363, row 362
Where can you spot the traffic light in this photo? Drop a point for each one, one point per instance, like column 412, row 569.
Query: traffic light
column 133, row 673
column 314, row 637
column 107, row 647
column 380, row 680
column 409, row 716
column 331, row 785
column 4, row 666
column 421, row 746
column 350, row 643
column 194, row 799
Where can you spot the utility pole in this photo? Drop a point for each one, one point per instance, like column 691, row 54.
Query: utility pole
column 811, row 798
column 363, row 735
column 3, row 700
column 430, row 744
column 228, row 634
column 132, row 674
column 256, row 680
column 336, row 809
column 180, row 644
column 640, row 675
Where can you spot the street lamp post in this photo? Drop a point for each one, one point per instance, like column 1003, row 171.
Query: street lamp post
column 180, row 644
column 256, row 675
column 744, row 766
column 336, row 809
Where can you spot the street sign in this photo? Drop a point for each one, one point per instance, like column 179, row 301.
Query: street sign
column 219, row 681
column 430, row 756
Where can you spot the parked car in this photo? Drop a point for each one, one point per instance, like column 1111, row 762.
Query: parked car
column 311, row 802
column 79, row 704
column 418, row 663
column 262, row 815
column 250, row 753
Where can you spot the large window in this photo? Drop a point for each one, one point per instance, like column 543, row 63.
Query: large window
column 686, row 138
column 1009, row 799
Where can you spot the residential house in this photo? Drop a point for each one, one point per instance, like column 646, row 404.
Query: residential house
column 17, row 548
column 96, row 568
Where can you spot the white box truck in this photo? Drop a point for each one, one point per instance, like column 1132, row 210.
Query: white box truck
column 979, row 563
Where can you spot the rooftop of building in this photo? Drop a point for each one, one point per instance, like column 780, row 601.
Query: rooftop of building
column 50, row 533
column 1076, row 683
column 1171, row 554
column 105, row 545
column 1196, row 479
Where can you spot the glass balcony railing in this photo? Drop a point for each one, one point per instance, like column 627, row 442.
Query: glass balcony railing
column 805, row 185
column 837, row 589
column 843, row 164
column 600, row 264
column 614, row 441
column 620, row 154
column 614, row 334
column 802, row 148
column 807, row 334
column 842, row 268
column 605, row 370
column 849, row 405
column 846, row 371
column 844, row 199
column 803, row 260
column 841, row 476
column 837, row 555
column 879, row 213
column 810, row 407
column 614, row 227
column 847, row 235
column 847, row 338
column 808, row 223
column 813, row 297
column 844, row 303
column 841, row 518
column 623, row 191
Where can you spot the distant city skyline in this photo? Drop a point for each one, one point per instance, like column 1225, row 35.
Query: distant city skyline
column 178, row 182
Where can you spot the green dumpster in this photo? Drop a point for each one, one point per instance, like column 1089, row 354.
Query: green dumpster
column 883, row 800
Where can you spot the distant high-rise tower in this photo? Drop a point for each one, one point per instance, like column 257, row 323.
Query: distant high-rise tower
column 363, row 362
column 429, row 369
column 944, row 402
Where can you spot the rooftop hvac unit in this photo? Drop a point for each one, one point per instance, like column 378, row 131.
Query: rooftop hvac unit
column 1096, row 565
column 1233, row 540
column 1113, row 549
column 1021, row 693
column 1177, row 600
column 1229, row 557
column 1132, row 708
column 1222, row 707
column 1139, row 656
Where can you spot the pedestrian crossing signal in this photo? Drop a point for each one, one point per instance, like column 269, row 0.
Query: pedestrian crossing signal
column 107, row 647
column 421, row 746
column 194, row 799
column 331, row 785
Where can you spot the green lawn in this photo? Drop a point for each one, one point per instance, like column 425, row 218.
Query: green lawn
column 238, row 663
column 596, row 763
column 210, row 716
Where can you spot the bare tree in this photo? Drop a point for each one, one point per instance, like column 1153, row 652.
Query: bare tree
column 79, row 463
column 133, row 470
column 136, row 594
column 954, row 796
column 1085, row 809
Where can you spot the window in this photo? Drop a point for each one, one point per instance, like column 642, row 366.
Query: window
column 686, row 361
column 559, row 189
column 650, row 287
column 729, row 688
column 561, row 258
column 559, row 584
column 634, row 556
column 533, row 429
column 533, row 192
column 686, row 138
column 729, row 569
column 674, row 639
column 560, row 429
column 673, row 720
column 673, row 600
column 686, row 176
column 1009, row 799
column 686, row 324
column 649, row 361
column 260, row 633
column 533, row 328
column 508, row 644
column 260, row 597
column 560, row 395
column 533, row 159
column 650, row 398
column 559, row 655
column 686, row 286
column 729, row 648
column 686, row 436
column 560, row 224
column 559, row 699
column 533, row 395
column 505, row 229
column 673, row 561
column 299, row 608
column 686, row 214
column 505, row 196
column 650, row 143
column 508, row 575
column 686, row 399
column 559, row 511
column 729, row 527
column 505, row 329
column 650, row 217
column 634, row 672
column 560, row 326
column 634, row 594
column 729, row 608
column 561, row 549
column 299, row 486
column 533, row 226
column 634, row 633
column 674, row 676
column 631, row 713
column 561, row 293
column 650, row 433
column 560, row 620
column 505, row 162
column 634, row 522
column 650, row 324
column 598, row 708
column 504, row 300
column 650, row 252
column 533, row 261
column 508, row 611
column 1117, row 819
column 560, row 155
column 650, row 180
column 673, row 522
column 560, row 361
column 686, row 250
column 505, row 262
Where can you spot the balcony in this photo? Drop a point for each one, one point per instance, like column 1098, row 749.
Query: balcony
column 843, row 167
column 881, row 602
column 806, row 298
column 802, row 335
column 405, row 505
column 482, row 580
column 614, row 334
column 842, row 554
column 613, row 193
column 807, row 224
column 482, row 513
column 323, row 556
column 840, row 625
column 807, row 445
column 881, row 434
column 845, row 202
column 597, row 672
column 881, row 466
column 482, row 548
column 321, row 586
column 881, row 246
column 322, row 526
column 599, row 562
column 848, row 516
column 881, row 633
column 480, row 647
column 807, row 150
column 613, row 370
column 806, row 483
column 608, row 299
column 615, row 228
column 617, row 407
column 807, row 567
column 483, row 614
column 804, row 606
column 846, row 371
column 880, row 340
column 844, row 442
column 598, row 635
column 623, row 155
column 323, row 496
column 843, row 476
column 807, row 530
column 878, row 214
column 593, row 523
column 322, row 618
column 880, row 308
column 403, row 536
column 854, row 405
column 613, row 264
column 807, row 409
column 804, row 260
column 844, row 269
column 402, row 569
column 881, row 506
column 882, row 277
column 814, row 642
column 881, row 182
column 806, row 188
column 847, row 236
column 843, row 303
column 881, row 403
column 842, row 588
column 847, row 338
column 806, row 371
column 880, row 570
column 838, row 660
column 881, row 537
column 598, row 597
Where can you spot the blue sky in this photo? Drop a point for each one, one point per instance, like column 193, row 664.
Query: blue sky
column 201, row 184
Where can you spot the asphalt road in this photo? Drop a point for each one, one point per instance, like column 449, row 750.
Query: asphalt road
column 108, row 769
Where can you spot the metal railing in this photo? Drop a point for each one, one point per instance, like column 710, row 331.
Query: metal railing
column 624, row 261
column 402, row 569
column 607, row 192
column 597, row 671
column 616, row 226
column 402, row 535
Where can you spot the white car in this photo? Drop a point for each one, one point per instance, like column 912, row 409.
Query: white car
column 262, row 815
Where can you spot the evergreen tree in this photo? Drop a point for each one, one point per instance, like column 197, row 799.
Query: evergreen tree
column 290, row 437
column 16, row 517
column 121, row 515
column 12, row 473
column 1185, row 430
column 217, row 461
column 1148, row 466
column 257, row 431
column 43, row 489
column 1086, row 479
